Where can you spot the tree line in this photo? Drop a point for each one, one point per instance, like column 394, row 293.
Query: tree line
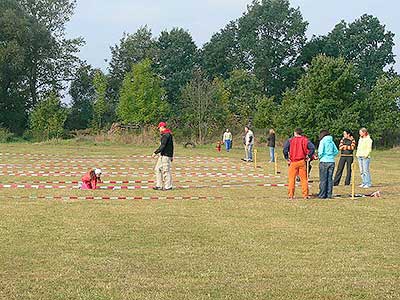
column 260, row 69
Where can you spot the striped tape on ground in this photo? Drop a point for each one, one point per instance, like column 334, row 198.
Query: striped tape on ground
column 132, row 187
column 112, row 197
column 124, row 181
column 116, row 174
column 24, row 168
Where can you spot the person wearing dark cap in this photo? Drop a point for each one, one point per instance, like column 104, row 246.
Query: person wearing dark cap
column 166, row 156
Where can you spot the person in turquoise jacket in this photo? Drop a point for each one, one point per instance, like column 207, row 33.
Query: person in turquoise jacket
column 327, row 152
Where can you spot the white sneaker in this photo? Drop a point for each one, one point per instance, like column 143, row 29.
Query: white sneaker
column 361, row 186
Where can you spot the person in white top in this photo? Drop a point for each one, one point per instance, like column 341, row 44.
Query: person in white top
column 227, row 139
column 248, row 144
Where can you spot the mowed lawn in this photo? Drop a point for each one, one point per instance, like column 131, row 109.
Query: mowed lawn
column 251, row 242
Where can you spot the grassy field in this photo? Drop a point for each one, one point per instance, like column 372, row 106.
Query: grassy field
column 248, row 243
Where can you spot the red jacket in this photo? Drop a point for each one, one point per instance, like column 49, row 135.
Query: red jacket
column 92, row 184
column 297, row 148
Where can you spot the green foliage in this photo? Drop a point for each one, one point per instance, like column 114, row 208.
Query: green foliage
column 326, row 98
column 205, row 106
column 271, row 35
column 177, row 56
column 365, row 42
column 99, row 104
column 5, row 135
column 142, row 99
column 48, row 118
column 245, row 90
column 35, row 56
column 383, row 114
column 132, row 49
column 83, row 94
column 266, row 113
column 221, row 55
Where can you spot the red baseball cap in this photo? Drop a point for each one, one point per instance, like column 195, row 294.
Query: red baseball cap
column 162, row 124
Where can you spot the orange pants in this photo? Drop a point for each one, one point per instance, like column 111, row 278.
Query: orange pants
column 298, row 168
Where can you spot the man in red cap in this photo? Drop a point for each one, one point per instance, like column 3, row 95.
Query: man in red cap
column 166, row 152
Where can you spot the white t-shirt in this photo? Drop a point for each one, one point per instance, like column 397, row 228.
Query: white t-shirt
column 249, row 138
column 227, row 136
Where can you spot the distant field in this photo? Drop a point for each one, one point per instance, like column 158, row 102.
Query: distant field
column 219, row 234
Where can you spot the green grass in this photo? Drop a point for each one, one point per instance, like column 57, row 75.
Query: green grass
column 252, row 244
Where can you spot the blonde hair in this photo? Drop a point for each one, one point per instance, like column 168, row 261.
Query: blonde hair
column 364, row 130
column 271, row 131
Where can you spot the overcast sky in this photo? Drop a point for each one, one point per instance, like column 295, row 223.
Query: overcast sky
column 102, row 22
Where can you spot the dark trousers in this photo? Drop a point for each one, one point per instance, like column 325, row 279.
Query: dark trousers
column 344, row 160
column 326, row 179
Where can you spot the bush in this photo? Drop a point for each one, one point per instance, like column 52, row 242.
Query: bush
column 5, row 135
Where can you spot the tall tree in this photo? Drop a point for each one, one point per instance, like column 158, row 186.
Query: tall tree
column 83, row 93
column 176, row 60
column 326, row 98
column 100, row 102
column 205, row 105
column 132, row 49
column 365, row 42
column 52, row 59
column 245, row 90
column 142, row 99
column 271, row 35
column 382, row 109
column 14, row 30
column 221, row 55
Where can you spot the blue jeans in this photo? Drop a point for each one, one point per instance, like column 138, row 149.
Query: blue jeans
column 326, row 179
column 272, row 154
column 228, row 145
column 250, row 152
column 364, row 170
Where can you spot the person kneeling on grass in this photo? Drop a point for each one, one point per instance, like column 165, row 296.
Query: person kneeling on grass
column 327, row 152
column 91, row 179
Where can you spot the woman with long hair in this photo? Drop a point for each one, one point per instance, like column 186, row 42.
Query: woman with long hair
column 327, row 152
column 364, row 157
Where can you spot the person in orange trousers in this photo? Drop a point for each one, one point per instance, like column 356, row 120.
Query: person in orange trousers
column 297, row 151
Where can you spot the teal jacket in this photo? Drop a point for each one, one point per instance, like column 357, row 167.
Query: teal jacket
column 327, row 150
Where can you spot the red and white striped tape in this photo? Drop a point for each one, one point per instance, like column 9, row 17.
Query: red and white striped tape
column 68, row 198
column 116, row 174
column 131, row 187
column 22, row 168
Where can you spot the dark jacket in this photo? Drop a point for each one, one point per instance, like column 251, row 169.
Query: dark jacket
column 271, row 140
column 167, row 144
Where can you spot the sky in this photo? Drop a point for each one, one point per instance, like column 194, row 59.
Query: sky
column 102, row 22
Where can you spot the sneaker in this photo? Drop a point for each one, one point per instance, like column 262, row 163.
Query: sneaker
column 169, row 189
column 157, row 188
column 361, row 185
column 366, row 187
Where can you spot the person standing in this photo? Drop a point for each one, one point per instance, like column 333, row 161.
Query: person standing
column 296, row 151
column 166, row 156
column 249, row 143
column 346, row 146
column 271, row 145
column 327, row 152
column 363, row 154
column 227, row 139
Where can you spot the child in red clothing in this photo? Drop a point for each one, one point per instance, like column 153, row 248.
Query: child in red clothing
column 90, row 179
column 218, row 147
